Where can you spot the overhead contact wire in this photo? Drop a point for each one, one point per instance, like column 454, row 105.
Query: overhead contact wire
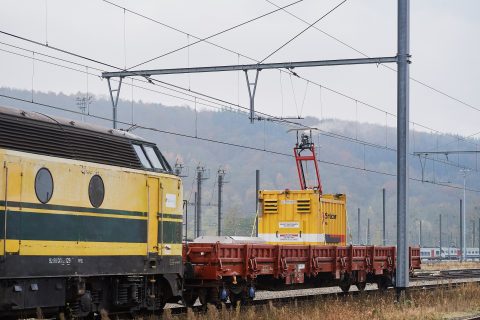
column 325, row 133
column 301, row 32
column 383, row 65
column 281, row 70
column 234, row 144
column 216, row 34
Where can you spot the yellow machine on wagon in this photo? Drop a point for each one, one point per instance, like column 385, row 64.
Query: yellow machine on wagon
column 303, row 216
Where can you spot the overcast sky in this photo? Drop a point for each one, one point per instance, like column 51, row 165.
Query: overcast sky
column 444, row 46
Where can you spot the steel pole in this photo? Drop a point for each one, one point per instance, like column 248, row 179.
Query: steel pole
column 185, row 207
column 463, row 217
column 461, row 231
column 449, row 245
column 368, row 231
column 199, row 202
column 257, row 189
column 195, row 224
column 440, row 234
column 384, row 229
column 358, row 227
column 220, row 185
column 402, row 272
column 420, row 234
column 473, row 233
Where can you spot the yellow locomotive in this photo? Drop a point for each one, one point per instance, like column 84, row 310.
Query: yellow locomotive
column 90, row 217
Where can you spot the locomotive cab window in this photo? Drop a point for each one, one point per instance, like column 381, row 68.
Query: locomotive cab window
column 152, row 156
column 141, row 155
column 44, row 185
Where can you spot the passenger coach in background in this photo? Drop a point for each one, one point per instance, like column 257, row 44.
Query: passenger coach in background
column 448, row 253
column 90, row 218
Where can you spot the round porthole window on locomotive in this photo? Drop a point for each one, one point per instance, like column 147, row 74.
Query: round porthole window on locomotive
column 44, row 185
column 96, row 191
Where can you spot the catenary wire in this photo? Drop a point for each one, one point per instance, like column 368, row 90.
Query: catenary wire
column 233, row 144
column 184, row 89
column 304, row 30
column 383, row 65
column 223, row 101
column 216, row 34
column 288, row 71
column 325, row 133
column 220, row 105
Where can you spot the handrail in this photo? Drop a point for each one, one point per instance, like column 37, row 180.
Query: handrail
column 161, row 208
column 148, row 216
column 5, row 213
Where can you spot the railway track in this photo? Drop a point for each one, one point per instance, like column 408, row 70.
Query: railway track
column 421, row 281
column 447, row 274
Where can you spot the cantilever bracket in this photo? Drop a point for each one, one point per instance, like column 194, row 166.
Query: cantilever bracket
column 423, row 164
column 114, row 100
column 252, row 88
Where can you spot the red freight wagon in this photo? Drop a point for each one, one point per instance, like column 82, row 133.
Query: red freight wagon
column 217, row 271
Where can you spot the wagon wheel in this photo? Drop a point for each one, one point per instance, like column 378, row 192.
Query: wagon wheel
column 361, row 286
column 190, row 297
column 345, row 286
column 237, row 298
column 248, row 298
column 236, row 295
column 382, row 283
column 213, row 296
column 202, row 296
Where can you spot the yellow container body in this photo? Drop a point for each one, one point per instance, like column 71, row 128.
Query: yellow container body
column 141, row 212
column 302, row 217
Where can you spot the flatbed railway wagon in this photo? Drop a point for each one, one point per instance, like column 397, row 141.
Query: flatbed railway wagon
column 235, row 269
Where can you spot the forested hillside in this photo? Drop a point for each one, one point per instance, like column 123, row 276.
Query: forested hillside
column 356, row 158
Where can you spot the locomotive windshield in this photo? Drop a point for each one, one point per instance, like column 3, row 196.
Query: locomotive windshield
column 151, row 158
column 141, row 156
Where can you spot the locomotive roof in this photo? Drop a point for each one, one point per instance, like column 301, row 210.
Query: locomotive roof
column 59, row 137
column 67, row 122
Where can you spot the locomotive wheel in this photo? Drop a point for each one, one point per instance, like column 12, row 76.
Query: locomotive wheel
column 361, row 286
